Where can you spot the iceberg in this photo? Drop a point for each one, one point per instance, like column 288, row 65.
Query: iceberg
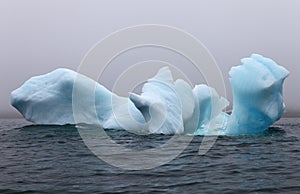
column 164, row 106
column 257, row 95
column 47, row 99
column 160, row 104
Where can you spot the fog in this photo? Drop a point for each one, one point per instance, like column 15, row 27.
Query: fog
column 38, row 36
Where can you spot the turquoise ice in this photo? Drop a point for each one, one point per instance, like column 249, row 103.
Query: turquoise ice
column 257, row 95
column 165, row 105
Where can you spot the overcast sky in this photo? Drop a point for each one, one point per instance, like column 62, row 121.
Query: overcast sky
column 38, row 36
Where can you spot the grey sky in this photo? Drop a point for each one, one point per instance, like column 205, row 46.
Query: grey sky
column 38, row 36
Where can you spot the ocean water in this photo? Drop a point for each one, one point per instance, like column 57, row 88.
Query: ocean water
column 54, row 159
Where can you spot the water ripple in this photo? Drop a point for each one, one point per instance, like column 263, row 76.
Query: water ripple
column 54, row 159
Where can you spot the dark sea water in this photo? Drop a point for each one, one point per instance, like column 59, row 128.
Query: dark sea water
column 54, row 159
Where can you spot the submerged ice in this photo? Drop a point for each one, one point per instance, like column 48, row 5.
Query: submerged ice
column 165, row 105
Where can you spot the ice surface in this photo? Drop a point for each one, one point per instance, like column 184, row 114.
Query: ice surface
column 47, row 99
column 211, row 119
column 164, row 106
column 160, row 104
column 257, row 95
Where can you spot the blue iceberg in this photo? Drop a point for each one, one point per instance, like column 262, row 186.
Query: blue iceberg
column 257, row 95
column 165, row 105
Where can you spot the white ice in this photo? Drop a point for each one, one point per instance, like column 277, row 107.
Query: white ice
column 164, row 106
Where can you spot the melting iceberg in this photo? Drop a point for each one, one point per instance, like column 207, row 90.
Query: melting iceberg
column 164, row 106
column 257, row 95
